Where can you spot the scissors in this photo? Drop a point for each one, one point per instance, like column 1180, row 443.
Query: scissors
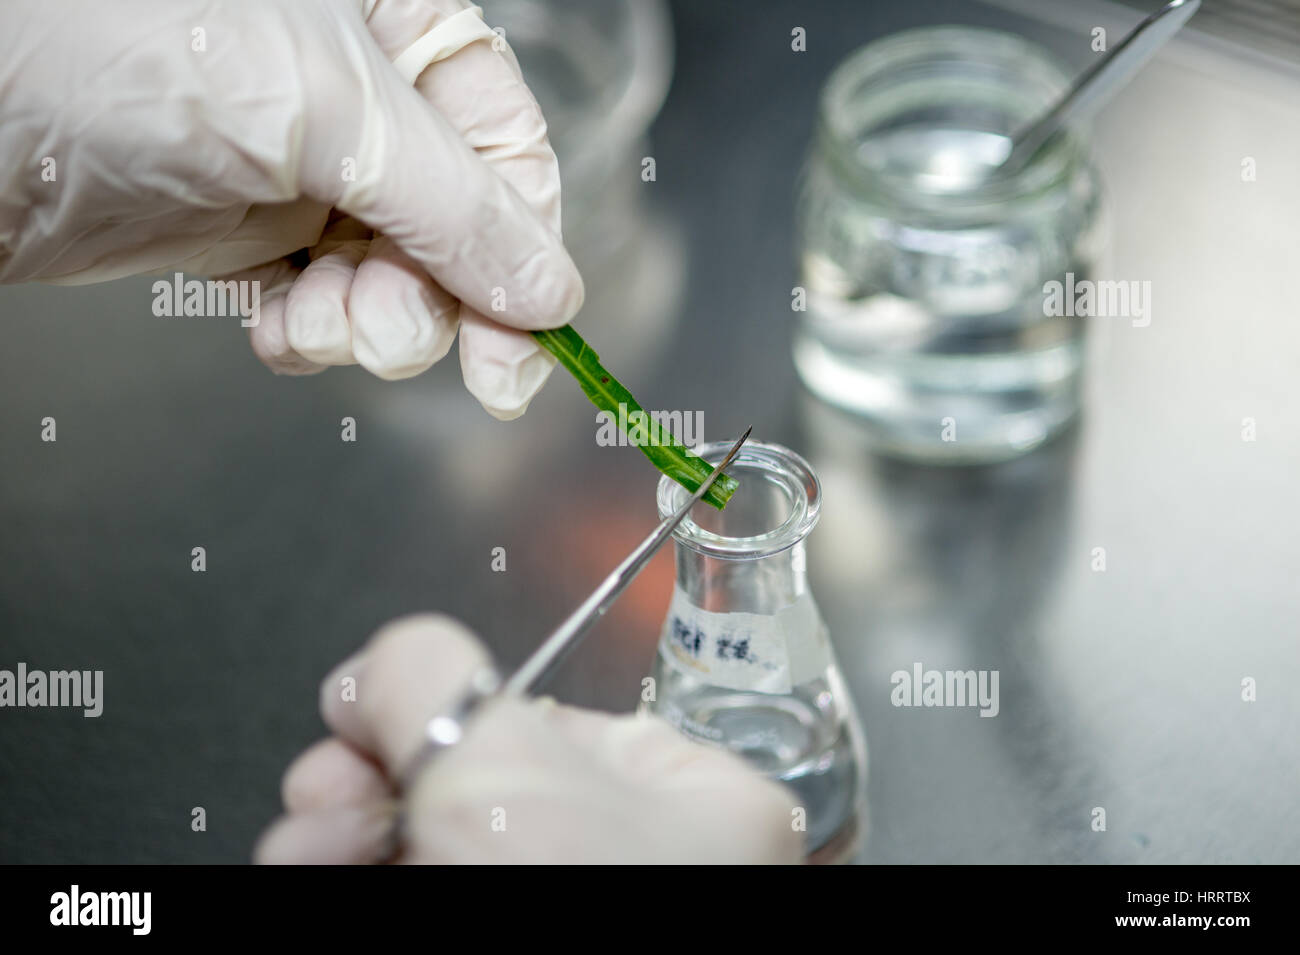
column 448, row 727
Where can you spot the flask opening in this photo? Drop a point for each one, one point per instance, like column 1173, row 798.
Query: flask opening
column 777, row 504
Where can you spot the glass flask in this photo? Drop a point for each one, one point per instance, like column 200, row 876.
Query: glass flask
column 744, row 659
column 924, row 276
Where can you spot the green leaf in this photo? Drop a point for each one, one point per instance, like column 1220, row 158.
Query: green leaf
column 656, row 442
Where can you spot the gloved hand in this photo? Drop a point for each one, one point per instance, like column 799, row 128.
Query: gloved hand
column 531, row 781
column 220, row 137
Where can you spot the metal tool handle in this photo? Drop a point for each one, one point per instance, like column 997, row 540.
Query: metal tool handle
column 1100, row 82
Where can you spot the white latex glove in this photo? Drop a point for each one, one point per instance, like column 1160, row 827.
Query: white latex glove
column 530, row 782
column 218, row 137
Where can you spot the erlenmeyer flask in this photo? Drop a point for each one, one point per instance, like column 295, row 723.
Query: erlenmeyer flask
column 744, row 659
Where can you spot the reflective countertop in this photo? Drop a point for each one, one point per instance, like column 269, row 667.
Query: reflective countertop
column 1119, row 689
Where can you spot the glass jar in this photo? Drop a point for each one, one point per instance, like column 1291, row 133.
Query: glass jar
column 924, row 275
column 744, row 659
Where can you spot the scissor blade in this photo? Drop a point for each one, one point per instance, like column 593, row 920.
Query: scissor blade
column 538, row 667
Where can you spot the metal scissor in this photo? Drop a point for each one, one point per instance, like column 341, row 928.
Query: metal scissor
column 448, row 727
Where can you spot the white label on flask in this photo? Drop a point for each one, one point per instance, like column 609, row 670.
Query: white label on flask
column 766, row 653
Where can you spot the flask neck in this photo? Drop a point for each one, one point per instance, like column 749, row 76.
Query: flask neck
column 759, row 585
column 749, row 557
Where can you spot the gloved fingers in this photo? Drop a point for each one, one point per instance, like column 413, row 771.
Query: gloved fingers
column 734, row 807
column 645, row 749
column 504, row 368
column 474, row 81
column 728, row 802
column 340, row 230
column 416, row 180
column 589, row 730
column 268, row 231
column 268, row 336
column 355, row 835
column 316, row 313
column 331, row 775
column 413, row 669
column 402, row 321
column 481, row 92
column 396, row 24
